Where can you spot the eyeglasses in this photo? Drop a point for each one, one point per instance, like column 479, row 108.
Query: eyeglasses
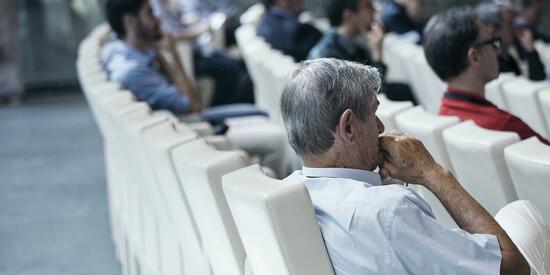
column 496, row 42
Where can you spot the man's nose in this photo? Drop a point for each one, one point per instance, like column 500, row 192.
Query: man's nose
column 380, row 125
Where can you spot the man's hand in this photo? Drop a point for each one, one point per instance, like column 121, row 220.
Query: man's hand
column 406, row 159
column 526, row 39
column 375, row 38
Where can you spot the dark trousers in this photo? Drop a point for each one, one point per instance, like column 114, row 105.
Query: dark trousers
column 232, row 82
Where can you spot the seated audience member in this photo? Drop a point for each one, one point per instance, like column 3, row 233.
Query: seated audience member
column 134, row 59
column 351, row 20
column 402, row 17
column 281, row 28
column 371, row 227
column 463, row 52
column 232, row 83
column 518, row 46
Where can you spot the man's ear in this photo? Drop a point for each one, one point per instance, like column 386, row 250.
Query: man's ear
column 346, row 15
column 473, row 56
column 129, row 22
column 344, row 129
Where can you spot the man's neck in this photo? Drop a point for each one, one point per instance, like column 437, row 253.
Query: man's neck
column 137, row 43
column 468, row 84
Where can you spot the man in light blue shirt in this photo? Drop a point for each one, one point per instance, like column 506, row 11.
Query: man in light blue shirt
column 370, row 226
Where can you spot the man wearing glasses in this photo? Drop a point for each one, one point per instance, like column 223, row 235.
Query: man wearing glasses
column 463, row 52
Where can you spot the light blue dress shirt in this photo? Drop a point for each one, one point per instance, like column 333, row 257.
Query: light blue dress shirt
column 138, row 72
column 370, row 228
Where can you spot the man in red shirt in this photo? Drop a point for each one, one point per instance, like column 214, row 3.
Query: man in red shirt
column 463, row 52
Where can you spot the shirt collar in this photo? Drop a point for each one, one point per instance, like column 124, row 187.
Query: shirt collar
column 146, row 57
column 339, row 40
column 347, row 173
column 472, row 95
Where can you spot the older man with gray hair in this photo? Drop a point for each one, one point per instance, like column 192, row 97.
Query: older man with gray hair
column 371, row 227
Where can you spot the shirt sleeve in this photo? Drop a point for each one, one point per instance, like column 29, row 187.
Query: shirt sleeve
column 536, row 68
column 152, row 87
column 424, row 246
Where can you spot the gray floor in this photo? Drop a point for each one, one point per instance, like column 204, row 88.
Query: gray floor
column 53, row 208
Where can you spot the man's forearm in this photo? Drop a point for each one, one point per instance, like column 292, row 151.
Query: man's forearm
column 473, row 218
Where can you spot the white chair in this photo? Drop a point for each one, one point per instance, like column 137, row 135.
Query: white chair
column 432, row 87
column 524, row 225
column 522, row 100
column 494, row 92
column 529, row 164
column 277, row 224
column 428, row 128
column 544, row 102
column 253, row 15
column 388, row 109
column 200, row 169
column 477, row 157
column 160, row 141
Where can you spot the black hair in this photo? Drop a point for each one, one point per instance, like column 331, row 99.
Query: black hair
column 115, row 11
column 268, row 3
column 447, row 38
column 335, row 8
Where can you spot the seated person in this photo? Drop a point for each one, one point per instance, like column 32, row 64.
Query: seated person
column 518, row 45
column 402, row 17
column 370, row 227
column 282, row 30
column 133, row 61
column 462, row 51
column 231, row 80
column 351, row 20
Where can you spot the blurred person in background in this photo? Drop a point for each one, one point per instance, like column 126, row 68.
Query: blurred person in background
column 518, row 54
column 281, row 28
column 356, row 36
column 231, row 80
column 463, row 52
column 403, row 17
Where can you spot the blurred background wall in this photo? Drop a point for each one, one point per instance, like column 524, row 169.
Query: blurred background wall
column 39, row 42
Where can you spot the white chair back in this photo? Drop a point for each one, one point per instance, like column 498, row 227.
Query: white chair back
column 529, row 164
column 277, row 224
column 494, row 91
column 477, row 156
column 544, row 102
column 388, row 109
column 200, row 169
column 522, row 100
column 524, row 225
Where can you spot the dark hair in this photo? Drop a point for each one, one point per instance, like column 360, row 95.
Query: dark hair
column 115, row 11
column 447, row 38
column 268, row 3
column 335, row 8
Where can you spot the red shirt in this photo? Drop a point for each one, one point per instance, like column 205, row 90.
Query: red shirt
column 467, row 105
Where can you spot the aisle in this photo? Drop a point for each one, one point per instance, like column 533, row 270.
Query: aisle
column 53, row 208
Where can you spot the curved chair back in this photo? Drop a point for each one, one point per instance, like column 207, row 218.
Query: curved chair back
column 522, row 100
column 160, row 141
column 200, row 169
column 523, row 224
column 277, row 224
column 529, row 164
column 388, row 109
column 477, row 156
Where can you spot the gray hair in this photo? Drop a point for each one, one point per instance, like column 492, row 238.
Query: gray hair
column 489, row 14
column 317, row 93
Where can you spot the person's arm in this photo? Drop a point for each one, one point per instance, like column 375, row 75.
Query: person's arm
column 177, row 74
column 406, row 159
column 536, row 68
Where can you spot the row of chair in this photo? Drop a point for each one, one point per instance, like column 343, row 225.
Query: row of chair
column 490, row 164
column 168, row 211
